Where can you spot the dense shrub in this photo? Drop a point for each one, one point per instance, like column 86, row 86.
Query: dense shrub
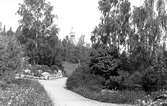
column 54, row 68
column 137, row 71
column 114, row 83
column 134, row 81
column 153, row 80
column 104, row 61
column 139, row 59
column 113, row 66
column 91, row 86
column 82, row 77
column 125, row 62
column 59, row 64
column 10, row 58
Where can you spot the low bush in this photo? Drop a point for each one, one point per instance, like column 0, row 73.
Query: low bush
column 91, row 86
column 54, row 68
column 23, row 92
column 118, row 97
column 40, row 67
column 153, row 80
column 82, row 77
column 157, row 98
column 114, row 83
column 133, row 81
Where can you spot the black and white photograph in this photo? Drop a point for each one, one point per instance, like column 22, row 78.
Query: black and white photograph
column 83, row 52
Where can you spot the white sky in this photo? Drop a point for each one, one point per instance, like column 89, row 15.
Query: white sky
column 82, row 15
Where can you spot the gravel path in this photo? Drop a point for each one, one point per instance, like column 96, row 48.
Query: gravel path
column 63, row 97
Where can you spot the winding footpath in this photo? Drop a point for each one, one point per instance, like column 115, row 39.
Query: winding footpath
column 63, row 97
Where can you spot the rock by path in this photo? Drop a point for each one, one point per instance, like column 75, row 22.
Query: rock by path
column 63, row 97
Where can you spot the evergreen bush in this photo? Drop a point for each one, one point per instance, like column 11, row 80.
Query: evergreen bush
column 10, row 58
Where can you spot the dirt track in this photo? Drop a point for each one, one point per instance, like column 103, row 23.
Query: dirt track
column 63, row 97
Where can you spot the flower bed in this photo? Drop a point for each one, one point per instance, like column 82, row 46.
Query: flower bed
column 22, row 92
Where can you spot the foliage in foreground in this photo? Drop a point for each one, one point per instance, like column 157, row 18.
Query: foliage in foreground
column 91, row 86
column 157, row 98
column 24, row 92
